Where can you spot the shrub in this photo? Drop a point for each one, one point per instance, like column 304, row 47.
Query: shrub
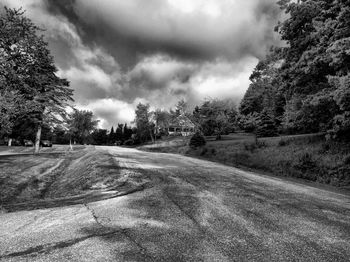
column 213, row 151
column 241, row 158
column 284, row 167
column 261, row 144
column 306, row 167
column 251, row 147
column 282, row 142
column 197, row 140
column 346, row 160
column 325, row 147
column 129, row 142
column 204, row 151
column 305, row 161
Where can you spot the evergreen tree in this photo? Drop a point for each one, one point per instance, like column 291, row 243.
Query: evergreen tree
column 127, row 132
column 145, row 127
column 267, row 126
column 32, row 74
column 112, row 135
column 119, row 133
column 100, row 137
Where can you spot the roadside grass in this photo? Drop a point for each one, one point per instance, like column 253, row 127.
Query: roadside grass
column 309, row 157
column 45, row 177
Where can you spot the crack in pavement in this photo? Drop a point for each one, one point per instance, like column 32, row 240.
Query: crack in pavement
column 95, row 217
column 47, row 248
column 122, row 231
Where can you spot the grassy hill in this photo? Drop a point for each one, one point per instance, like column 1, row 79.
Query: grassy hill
column 309, row 157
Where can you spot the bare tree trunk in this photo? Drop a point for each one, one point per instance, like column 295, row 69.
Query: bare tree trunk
column 37, row 140
column 9, row 143
column 255, row 137
column 150, row 132
column 155, row 132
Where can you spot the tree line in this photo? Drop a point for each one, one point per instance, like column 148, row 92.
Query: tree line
column 304, row 86
column 81, row 128
column 211, row 117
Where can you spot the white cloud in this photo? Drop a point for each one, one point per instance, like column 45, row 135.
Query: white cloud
column 111, row 111
column 182, row 49
column 163, row 81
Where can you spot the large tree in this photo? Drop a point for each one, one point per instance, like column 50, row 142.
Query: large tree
column 81, row 124
column 144, row 124
column 215, row 116
column 316, row 62
column 30, row 72
column 100, row 137
column 308, row 90
column 119, row 133
column 162, row 120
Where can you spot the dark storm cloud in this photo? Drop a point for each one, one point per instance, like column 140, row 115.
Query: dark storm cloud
column 128, row 31
column 121, row 52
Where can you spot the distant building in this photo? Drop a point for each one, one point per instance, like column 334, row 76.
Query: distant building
column 181, row 125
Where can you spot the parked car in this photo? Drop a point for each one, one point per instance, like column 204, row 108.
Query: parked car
column 118, row 143
column 46, row 143
column 28, row 142
column 16, row 142
column 129, row 142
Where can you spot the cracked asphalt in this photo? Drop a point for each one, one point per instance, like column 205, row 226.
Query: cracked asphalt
column 188, row 210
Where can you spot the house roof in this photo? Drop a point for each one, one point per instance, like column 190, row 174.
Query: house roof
column 182, row 121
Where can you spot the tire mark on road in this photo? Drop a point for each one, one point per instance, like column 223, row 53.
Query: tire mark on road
column 142, row 249
column 224, row 248
column 196, row 223
column 44, row 249
column 73, row 200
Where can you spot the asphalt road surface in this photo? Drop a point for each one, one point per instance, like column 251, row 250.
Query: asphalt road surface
column 188, row 210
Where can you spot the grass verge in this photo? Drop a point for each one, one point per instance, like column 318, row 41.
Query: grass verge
column 308, row 157
column 54, row 179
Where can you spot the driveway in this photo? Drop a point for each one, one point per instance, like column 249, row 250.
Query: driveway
column 187, row 210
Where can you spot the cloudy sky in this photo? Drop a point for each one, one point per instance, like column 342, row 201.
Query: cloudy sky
column 119, row 53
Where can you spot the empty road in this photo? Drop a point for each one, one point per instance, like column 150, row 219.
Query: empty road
column 186, row 210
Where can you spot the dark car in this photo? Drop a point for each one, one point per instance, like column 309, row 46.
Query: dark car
column 46, row 143
column 28, row 142
column 16, row 142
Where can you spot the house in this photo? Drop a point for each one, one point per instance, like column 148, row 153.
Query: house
column 181, row 125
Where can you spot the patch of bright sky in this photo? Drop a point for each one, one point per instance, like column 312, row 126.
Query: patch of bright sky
column 229, row 86
column 208, row 7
